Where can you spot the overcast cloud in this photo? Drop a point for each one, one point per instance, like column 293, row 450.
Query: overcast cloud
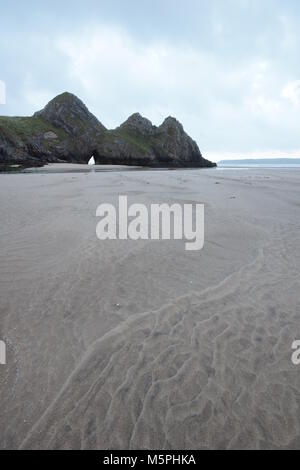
column 227, row 69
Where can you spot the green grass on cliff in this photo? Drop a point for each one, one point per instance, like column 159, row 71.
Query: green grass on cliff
column 139, row 141
column 143, row 144
column 26, row 127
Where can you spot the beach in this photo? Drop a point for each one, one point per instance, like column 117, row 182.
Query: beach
column 141, row 344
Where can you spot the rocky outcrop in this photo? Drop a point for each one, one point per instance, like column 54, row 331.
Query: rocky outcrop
column 65, row 131
column 175, row 144
column 139, row 125
column 69, row 113
column 138, row 142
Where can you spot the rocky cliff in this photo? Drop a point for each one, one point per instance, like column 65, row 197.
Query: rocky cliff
column 65, row 131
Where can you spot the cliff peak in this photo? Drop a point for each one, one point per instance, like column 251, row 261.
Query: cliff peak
column 137, row 123
column 70, row 113
column 171, row 123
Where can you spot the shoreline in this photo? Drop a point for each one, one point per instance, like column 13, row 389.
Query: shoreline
column 53, row 168
column 82, row 168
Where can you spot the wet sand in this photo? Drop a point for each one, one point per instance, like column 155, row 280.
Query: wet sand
column 79, row 168
column 143, row 345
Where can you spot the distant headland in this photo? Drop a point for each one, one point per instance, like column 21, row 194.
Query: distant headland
column 261, row 161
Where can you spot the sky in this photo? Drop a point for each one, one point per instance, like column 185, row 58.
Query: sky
column 229, row 70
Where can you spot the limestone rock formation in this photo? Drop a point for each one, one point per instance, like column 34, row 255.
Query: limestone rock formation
column 66, row 131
